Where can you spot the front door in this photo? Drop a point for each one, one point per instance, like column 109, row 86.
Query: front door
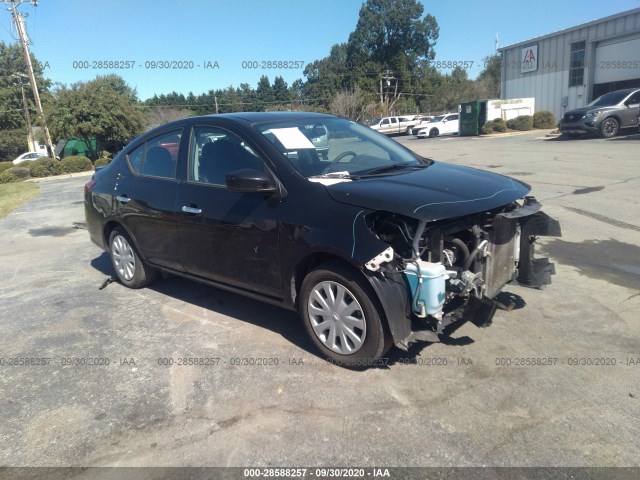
column 227, row 236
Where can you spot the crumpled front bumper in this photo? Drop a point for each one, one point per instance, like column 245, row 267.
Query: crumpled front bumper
column 395, row 298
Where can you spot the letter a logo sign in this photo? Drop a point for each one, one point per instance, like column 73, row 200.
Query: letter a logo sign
column 529, row 59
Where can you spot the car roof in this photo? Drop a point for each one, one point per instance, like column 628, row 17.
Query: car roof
column 626, row 91
column 264, row 117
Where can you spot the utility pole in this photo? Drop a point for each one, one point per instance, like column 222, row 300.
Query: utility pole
column 386, row 79
column 19, row 22
column 32, row 146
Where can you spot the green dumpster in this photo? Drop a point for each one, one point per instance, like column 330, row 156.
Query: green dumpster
column 470, row 121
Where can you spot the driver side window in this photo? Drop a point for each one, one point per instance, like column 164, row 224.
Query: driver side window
column 216, row 152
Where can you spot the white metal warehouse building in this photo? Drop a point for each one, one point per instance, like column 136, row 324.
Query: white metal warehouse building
column 567, row 69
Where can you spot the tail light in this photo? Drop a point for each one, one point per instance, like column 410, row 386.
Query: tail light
column 89, row 185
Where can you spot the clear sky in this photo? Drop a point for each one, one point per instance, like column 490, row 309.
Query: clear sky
column 232, row 32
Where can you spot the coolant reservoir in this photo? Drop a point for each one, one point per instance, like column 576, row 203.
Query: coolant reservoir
column 429, row 295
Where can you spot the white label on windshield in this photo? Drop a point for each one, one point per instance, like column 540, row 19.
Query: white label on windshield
column 292, row 138
column 328, row 181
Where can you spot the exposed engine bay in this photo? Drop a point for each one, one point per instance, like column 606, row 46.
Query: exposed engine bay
column 456, row 267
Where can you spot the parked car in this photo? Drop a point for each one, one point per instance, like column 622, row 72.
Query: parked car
column 393, row 125
column 374, row 246
column 28, row 156
column 440, row 125
column 422, row 121
column 319, row 136
column 605, row 116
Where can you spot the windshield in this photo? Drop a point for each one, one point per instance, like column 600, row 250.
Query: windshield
column 608, row 99
column 347, row 149
column 437, row 119
column 374, row 121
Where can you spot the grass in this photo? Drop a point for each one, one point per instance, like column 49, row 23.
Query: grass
column 12, row 195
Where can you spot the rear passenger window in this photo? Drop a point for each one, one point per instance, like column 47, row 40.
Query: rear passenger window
column 157, row 157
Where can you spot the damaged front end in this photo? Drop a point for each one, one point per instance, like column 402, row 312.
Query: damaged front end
column 436, row 273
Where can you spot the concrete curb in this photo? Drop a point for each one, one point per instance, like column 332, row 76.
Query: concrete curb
column 61, row 177
column 511, row 134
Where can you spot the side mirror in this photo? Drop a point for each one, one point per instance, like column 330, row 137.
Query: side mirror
column 249, row 180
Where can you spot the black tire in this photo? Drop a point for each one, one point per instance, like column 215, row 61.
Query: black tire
column 609, row 128
column 433, row 133
column 376, row 339
column 408, row 131
column 132, row 272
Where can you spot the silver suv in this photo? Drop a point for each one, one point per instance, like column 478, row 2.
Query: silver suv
column 605, row 116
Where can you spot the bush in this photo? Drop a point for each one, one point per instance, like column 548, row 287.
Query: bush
column 4, row 166
column 487, row 128
column 12, row 142
column 102, row 161
column 25, row 164
column 544, row 119
column 521, row 123
column 45, row 167
column 6, row 177
column 105, row 154
column 19, row 172
column 499, row 125
column 76, row 164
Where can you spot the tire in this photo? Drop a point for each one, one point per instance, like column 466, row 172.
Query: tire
column 408, row 131
column 369, row 338
column 130, row 269
column 433, row 133
column 609, row 128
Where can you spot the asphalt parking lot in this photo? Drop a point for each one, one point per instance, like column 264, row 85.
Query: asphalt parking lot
column 574, row 402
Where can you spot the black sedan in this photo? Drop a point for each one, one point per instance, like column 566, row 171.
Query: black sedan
column 373, row 245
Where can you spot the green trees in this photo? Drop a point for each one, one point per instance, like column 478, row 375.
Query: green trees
column 13, row 131
column 105, row 108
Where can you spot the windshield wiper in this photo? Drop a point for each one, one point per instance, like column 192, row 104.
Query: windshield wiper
column 391, row 168
column 336, row 175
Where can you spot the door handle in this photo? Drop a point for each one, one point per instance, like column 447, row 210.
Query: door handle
column 193, row 210
column 123, row 198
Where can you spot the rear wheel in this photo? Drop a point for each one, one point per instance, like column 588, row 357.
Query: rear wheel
column 609, row 128
column 342, row 317
column 433, row 132
column 130, row 269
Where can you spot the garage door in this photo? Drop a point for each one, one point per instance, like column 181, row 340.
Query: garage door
column 617, row 61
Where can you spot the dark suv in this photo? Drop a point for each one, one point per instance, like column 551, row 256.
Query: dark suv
column 605, row 116
column 373, row 245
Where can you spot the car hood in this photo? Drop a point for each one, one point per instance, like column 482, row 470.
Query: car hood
column 436, row 192
column 579, row 112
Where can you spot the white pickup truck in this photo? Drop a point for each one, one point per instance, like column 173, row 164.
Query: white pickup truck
column 394, row 125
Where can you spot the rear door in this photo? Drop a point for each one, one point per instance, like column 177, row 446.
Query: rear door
column 227, row 236
column 146, row 197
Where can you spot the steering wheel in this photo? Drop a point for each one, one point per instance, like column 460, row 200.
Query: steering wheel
column 338, row 158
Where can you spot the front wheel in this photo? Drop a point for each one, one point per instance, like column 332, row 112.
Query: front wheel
column 433, row 132
column 130, row 269
column 609, row 128
column 342, row 317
